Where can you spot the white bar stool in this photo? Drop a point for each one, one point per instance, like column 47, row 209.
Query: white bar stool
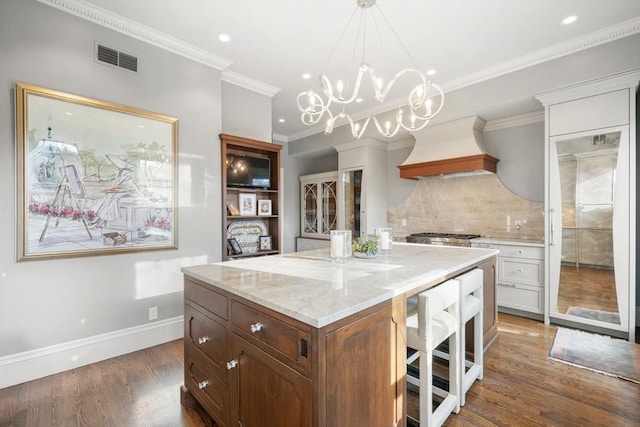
column 435, row 319
column 471, row 306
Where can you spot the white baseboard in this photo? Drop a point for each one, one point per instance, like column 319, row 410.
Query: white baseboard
column 41, row 362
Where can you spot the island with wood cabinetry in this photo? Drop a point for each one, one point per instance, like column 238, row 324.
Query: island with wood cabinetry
column 296, row 340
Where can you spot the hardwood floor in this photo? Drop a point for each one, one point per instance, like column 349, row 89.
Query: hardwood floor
column 521, row 387
column 587, row 288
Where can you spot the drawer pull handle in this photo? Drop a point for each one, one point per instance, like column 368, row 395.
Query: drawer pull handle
column 203, row 340
column 520, row 251
column 519, row 270
column 232, row 364
column 256, row 327
column 203, row 384
column 507, row 285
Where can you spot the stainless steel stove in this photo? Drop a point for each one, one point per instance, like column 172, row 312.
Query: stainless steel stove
column 444, row 239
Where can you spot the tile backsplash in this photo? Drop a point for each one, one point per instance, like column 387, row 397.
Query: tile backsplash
column 478, row 204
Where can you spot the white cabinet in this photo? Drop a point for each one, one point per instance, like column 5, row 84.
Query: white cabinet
column 590, row 202
column 318, row 210
column 362, row 197
column 520, row 282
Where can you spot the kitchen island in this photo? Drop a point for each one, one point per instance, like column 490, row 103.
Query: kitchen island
column 296, row 340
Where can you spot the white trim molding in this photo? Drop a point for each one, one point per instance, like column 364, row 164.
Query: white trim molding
column 249, row 83
column 30, row 365
column 515, row 121
column 596, row 38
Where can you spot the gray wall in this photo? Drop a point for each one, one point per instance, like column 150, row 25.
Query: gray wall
column 294, row 167
column 245, row 113
column 49, row 302
column 520, row 150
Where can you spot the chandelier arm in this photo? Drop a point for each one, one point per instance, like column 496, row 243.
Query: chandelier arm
column 399, row 74
column 384, row 132
column 428, row 114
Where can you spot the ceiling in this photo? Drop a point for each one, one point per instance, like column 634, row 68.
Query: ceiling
column 273, row 42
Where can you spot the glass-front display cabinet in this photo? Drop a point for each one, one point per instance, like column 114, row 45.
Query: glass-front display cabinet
column 590, row 200
column 319, row 213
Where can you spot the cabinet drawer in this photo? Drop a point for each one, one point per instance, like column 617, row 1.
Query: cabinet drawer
column 531, row 252
column 207, row 388
column 257, row 326
column 522, row 271
column 213, row 301
column 207, row 338
column 521, row 297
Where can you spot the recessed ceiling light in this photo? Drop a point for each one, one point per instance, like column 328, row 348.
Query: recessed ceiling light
column 306, row 76
column 281, row 120
column 431, row 72
column 224, row 37
column 570, row 19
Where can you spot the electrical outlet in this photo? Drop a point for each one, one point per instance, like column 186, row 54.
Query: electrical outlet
column 153, row 313
column 404, row 222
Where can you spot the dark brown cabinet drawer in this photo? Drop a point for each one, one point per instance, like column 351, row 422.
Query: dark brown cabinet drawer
column 207, row 388
column 258, row 326
column 206, row 338
column 213, row 301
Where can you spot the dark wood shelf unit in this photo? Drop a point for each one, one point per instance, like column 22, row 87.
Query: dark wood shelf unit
column 230, row 144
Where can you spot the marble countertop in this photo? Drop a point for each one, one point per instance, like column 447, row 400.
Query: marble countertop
column 308, row 287
column 508, row 241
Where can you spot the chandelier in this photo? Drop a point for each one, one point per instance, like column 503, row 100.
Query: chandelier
column 423, row 101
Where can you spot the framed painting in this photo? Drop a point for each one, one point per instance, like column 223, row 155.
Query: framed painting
column 265, row 243
column 247, row 202
column 264, row 207
column 94, row 178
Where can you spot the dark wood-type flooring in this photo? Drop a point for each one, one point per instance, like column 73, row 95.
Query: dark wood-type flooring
column 586, row 287
column 521, row 387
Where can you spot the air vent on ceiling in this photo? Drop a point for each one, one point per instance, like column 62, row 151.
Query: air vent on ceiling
column 117, row 59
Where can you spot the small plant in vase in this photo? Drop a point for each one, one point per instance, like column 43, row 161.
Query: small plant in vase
column 366, row 246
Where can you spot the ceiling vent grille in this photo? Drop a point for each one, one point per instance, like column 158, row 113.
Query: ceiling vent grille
column 112, row 57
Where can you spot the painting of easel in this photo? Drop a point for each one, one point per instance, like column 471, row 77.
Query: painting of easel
column 94, row 177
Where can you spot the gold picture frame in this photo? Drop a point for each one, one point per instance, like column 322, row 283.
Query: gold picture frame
column 94, row 178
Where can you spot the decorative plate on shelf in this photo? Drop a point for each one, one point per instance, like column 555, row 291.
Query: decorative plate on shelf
column 247, row 233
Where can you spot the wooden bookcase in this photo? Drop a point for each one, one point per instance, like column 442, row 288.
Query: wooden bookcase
column 248, row 228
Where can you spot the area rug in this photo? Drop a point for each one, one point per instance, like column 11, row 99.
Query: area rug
column 598, row 353
column 588, row 313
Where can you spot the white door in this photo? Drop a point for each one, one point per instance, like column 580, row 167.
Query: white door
column 588, row 236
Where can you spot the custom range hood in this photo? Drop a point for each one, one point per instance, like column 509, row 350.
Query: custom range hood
column 449, row 148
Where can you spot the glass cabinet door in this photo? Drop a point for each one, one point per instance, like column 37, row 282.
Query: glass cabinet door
column 329, row 209
column 352, row 198
column 588, row 279
column 319, row 214
column 310, row 208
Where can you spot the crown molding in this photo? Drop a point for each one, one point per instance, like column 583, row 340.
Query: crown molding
column 279, row 137
column 596, row 38
column 249, row 83
column 514, row 121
